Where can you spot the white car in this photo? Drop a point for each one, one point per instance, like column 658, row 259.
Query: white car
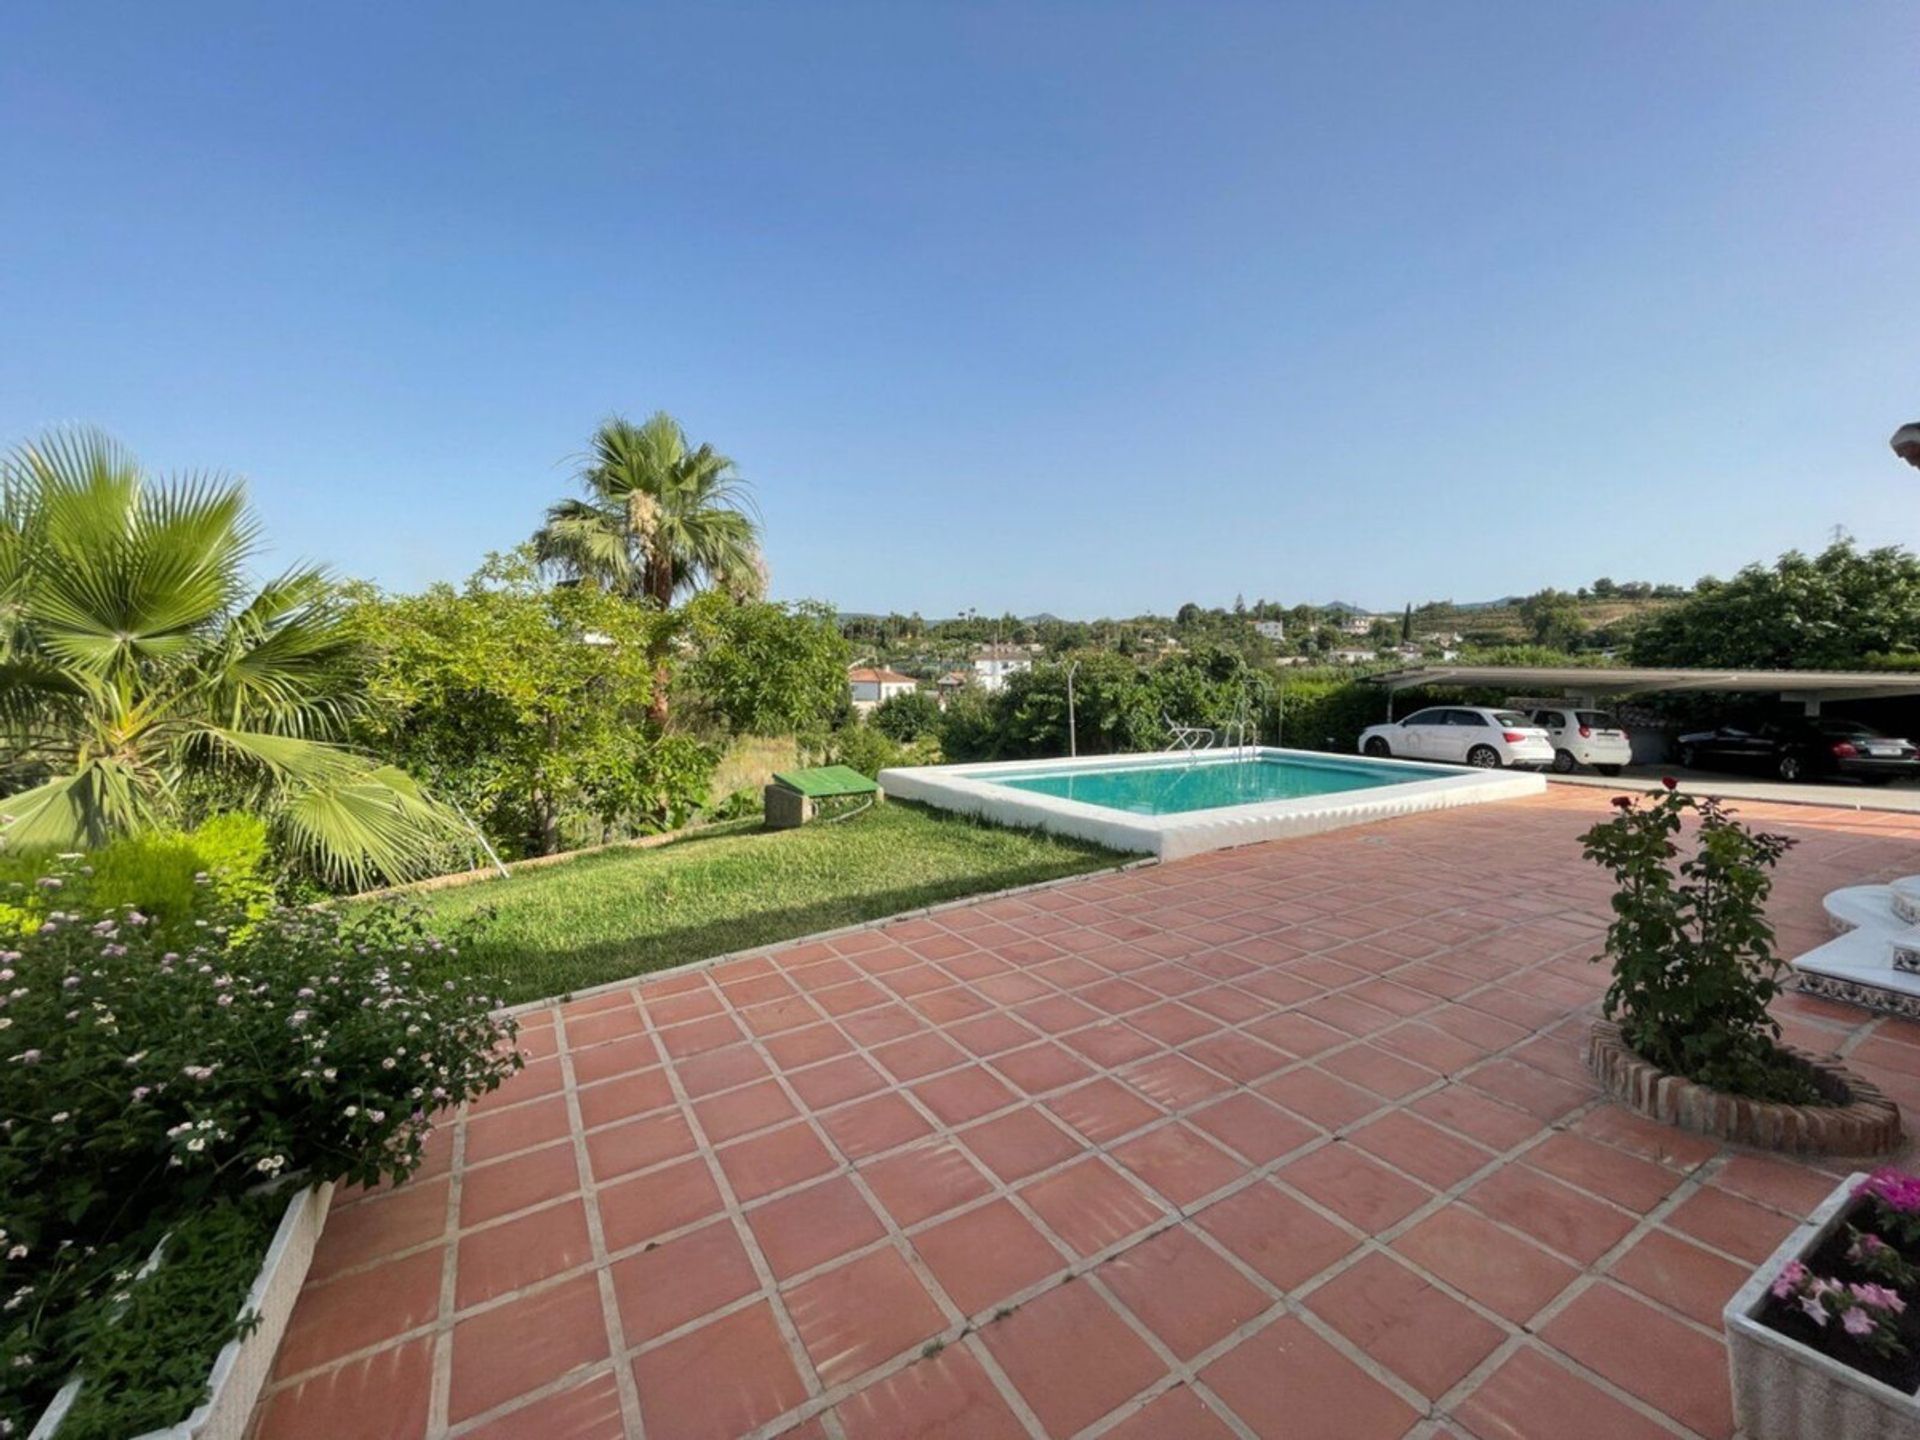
column 1461, row 734
column 1585, row 737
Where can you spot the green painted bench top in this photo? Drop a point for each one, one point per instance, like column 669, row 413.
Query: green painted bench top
column 823, row 782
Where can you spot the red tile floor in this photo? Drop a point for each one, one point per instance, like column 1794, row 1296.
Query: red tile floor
column 1293, row 1140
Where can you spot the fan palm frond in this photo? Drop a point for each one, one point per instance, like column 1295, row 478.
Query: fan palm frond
column 137, row 660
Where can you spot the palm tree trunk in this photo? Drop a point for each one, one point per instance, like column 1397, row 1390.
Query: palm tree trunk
column 659, row 587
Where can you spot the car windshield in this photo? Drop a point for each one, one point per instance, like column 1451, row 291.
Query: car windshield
column 1844, row 727
column 1596, row 719
column 1510, row 717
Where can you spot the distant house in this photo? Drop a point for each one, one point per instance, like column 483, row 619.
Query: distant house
column 992, row 664
column 1352, row 657
column 869, row 687
column 1358, row 624
column 951, row 684
column 1270, row 629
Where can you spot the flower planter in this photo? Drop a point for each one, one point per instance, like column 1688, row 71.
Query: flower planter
column 1785, row 1390
column 1859, row 1121
column 240, row 1369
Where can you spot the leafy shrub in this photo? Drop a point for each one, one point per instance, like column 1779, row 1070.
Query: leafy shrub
column 145, row 1354
column 147, row 1080
column 863, row 748
column 171, row 877
column 763, row 668
column 907, row 717
column 742, row 804
column 1694, row 965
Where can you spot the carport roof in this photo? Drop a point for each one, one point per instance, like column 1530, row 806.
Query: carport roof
column 1633, row 680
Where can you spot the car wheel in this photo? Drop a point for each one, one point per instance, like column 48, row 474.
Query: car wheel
column 1484, row 757
column 1790, row 768
column 1689, row 757
column 1377, row 748
column 1608, row 770
column 1563, row 762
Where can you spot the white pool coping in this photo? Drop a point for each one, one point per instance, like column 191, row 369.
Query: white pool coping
column 969, row 789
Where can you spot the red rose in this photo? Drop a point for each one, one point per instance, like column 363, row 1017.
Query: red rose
column 1669, row 782
column 1622, row 802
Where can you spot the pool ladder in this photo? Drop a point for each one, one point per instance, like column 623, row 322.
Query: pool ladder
column 1239, row 734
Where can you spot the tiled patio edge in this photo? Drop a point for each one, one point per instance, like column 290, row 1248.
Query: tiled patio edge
column 694, row 967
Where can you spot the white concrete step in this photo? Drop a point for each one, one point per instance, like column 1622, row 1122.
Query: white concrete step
column 1906, row 898
column 1864, row 907
column 1859, row 967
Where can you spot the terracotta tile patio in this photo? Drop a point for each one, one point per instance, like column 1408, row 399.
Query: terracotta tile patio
column 1291, row 1140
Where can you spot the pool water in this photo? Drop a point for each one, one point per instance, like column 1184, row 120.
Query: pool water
column 1172, row 788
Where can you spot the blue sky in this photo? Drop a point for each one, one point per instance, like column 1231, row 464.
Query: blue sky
column 1090, row 308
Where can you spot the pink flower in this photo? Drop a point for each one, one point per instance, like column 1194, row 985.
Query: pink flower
column 1878, row 1297
column 1894, row 1189
column 1789, row 1279
column 1857, row 1322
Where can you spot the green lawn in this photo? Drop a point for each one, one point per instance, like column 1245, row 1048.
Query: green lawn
column 622, row 912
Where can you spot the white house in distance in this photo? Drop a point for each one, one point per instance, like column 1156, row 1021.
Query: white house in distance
column 1270, row 629
column 869, row 687
column 992, row 664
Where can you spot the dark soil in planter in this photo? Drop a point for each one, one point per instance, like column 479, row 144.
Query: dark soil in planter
column 1900, row 1371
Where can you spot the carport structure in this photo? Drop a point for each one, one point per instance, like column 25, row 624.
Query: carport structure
column 1589, row 685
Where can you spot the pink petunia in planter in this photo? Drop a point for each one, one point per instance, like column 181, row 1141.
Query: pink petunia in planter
column 1824, row 1339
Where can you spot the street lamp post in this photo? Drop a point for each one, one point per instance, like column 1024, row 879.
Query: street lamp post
column 1906, row 443
column 1073, row 736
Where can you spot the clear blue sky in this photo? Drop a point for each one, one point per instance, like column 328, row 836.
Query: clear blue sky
column 1090, row 308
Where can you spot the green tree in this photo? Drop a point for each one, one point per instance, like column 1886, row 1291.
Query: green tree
column 660, row 516
column 1553, row 618
column 145, row 682
column 907, row 717
column 765, row 669
column 1840, row 609
column 527, row 703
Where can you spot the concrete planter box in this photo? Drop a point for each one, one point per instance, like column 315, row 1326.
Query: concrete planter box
column 1782, row 1390
column 240, row 1369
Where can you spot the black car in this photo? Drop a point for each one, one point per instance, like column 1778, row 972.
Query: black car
column 1804, row 749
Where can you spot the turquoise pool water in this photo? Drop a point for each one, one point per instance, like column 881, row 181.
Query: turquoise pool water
column 1176, row 787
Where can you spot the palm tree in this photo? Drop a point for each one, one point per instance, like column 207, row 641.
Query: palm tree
column 660, row 517
column 142, row 676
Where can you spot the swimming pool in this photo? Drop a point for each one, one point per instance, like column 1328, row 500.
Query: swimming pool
column 1210, row 782
column 1175, row 803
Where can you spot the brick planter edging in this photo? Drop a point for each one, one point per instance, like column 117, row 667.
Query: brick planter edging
column 1860, row 1121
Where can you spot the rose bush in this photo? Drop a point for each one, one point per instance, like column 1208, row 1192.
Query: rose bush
column 1692, row 953
column 144, row 1080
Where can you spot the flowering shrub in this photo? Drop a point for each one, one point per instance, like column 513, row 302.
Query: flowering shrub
column 143, row 1080
column 1867, row 1313
column 1894, row 1199
column 1694, row 965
